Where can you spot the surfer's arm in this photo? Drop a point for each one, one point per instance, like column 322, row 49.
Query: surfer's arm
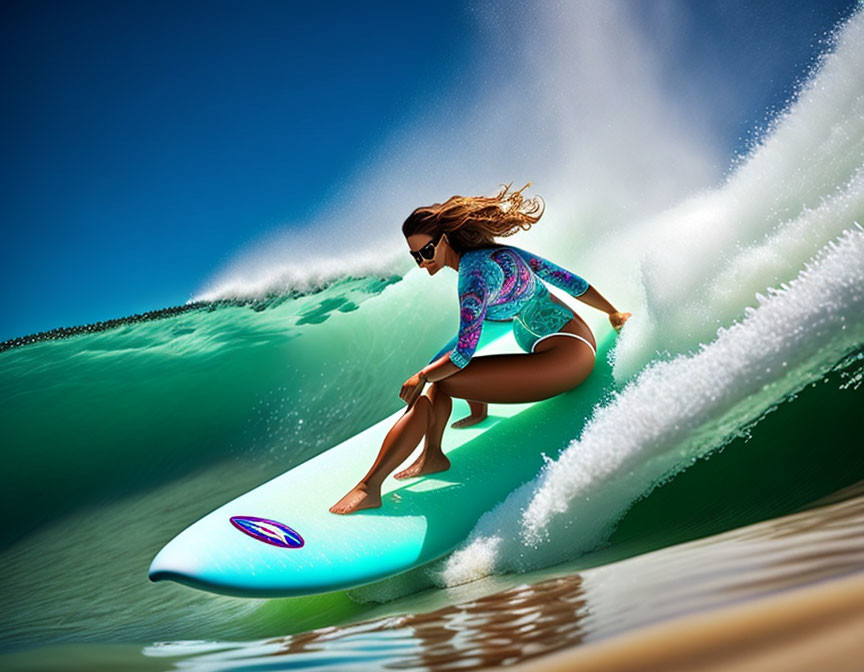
column 594, row 299
column 440, row 366
column 554, row 274
column 443, row 368
column 563, row 279
column 440, row 369
column 473, row 299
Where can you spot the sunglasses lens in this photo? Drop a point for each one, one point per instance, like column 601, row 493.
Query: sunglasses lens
column 426, row 252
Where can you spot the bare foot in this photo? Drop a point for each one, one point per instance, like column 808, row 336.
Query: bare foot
column 479, row 411
column 359, row 498
column 425, row 465
column 478, row 414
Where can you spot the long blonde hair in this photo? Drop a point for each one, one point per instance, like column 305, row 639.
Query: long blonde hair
column 472, row 222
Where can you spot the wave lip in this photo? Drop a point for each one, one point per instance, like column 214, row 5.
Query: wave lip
column 251, row 280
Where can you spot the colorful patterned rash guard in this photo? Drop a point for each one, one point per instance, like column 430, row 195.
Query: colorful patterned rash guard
column 500, row 283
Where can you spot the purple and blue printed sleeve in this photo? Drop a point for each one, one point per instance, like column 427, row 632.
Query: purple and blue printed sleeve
column 473, row 299
column 554, row 274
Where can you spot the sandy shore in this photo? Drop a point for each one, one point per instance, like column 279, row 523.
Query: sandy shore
column 819, row 627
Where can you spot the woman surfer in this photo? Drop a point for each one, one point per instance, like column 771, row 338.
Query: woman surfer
column 496, row 282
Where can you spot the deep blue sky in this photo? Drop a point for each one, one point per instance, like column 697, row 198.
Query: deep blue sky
column 143, row 144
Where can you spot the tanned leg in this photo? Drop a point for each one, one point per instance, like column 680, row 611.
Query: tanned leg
column 400, row 441
column 557, row 365
column 432, row 459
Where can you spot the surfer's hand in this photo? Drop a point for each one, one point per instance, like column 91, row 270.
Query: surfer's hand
column 618, row 319
column 412, row 388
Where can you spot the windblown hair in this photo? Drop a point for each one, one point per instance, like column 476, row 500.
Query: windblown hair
column 473, row 222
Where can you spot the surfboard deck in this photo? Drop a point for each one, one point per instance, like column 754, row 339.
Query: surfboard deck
column 281, row 540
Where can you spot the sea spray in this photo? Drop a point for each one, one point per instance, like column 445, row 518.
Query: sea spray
column 673, row 413
column 570, row 96
column 803, row 184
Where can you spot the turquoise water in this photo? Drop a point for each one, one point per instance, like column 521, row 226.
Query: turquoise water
column 143, row 463
column 121, row 411
column 738, row 384
column 118, row 440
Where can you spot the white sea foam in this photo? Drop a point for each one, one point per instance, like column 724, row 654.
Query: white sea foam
column 274, row 273
column 671, row 414
column 704, row 259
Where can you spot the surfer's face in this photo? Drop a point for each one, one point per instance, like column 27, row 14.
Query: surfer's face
column 417, row 241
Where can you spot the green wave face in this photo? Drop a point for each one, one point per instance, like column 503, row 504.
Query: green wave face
column 96, row 416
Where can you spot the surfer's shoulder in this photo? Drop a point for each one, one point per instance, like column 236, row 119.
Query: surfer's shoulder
column 484, row 254
column 479, row 263
column 483, row 258
column 473, row 258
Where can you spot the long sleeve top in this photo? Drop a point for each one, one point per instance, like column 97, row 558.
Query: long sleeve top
column 498, row 283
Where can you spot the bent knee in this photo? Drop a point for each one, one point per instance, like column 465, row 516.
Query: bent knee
column 443, row 387
column 423, row 404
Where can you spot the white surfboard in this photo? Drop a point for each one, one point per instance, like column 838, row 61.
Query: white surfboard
column 280, row 539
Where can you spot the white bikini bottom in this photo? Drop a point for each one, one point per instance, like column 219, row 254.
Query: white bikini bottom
column 564, row 333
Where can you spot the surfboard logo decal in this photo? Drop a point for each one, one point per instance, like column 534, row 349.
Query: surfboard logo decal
column 269, row 531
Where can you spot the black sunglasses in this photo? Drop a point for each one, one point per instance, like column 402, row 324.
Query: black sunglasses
column 426, row 252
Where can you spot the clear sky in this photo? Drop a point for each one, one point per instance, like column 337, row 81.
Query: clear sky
column 144, row 143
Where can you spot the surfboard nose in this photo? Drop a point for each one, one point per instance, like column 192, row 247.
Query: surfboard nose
column 185, row 563
column 245, row 556
column 174, row 562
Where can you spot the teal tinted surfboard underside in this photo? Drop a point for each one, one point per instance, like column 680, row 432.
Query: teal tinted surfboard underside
column 420, row 519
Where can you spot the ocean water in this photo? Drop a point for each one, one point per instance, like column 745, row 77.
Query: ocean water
column 739, row 380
